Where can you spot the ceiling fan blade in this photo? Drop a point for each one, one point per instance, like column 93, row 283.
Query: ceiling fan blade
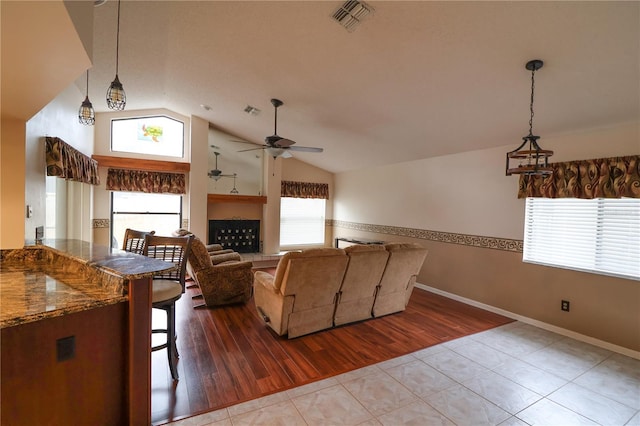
column 305, row 149
column 241, row 141
column 253, row 149
column 284, row 143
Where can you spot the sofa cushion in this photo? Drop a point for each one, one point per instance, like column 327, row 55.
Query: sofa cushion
column 360, row 283
column 400, row 274
column 283, row 264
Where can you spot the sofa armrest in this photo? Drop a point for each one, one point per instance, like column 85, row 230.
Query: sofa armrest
column 273, row 307
column 266, row 280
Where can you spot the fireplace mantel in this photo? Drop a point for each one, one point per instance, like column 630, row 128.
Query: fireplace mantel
column 231, row 198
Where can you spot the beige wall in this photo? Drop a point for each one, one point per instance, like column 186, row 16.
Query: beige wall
column 468, row 194
column 602, row 307
column 59, row 118
column 12, row 183
column 198, row 179
column 39, row 60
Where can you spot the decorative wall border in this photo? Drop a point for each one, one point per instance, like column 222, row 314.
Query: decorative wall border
column 504, row 244
column 105, row 223
column 101, row 223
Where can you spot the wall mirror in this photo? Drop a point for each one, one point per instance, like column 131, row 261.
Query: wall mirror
column 231, row 169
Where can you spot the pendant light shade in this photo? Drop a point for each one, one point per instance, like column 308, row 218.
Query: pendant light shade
column 86, row 114
column 116, row 98
column 529, row 158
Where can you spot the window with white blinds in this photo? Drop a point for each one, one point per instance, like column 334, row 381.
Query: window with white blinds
column 301, row 221
column 600, row 235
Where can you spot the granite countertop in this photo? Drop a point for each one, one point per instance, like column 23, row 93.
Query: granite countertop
column 61, row 277
column 125, row 264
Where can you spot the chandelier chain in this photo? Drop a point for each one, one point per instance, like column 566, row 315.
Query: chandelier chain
column 533, row 72
column 118, row 38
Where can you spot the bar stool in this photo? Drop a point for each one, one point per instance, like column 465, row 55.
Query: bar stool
column 168, row 286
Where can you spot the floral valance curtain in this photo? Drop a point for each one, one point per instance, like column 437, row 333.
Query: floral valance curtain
column 65, row 161
column 304, row 189
column 614, row 177
column 143, row 181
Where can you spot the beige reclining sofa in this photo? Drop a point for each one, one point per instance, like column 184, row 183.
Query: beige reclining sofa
column 316, row 289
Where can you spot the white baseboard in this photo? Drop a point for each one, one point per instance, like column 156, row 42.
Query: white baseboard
column 536, row 323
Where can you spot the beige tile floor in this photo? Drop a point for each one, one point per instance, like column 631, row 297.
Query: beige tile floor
column 516, row 374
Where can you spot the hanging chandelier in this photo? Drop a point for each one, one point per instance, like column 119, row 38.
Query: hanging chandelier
column 86, row 114
column 116, row 98
column 529, row 158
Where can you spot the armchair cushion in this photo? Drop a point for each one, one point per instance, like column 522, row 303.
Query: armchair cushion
column 227, row 283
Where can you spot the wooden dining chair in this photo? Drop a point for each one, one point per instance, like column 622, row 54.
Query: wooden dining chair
column 168, row 286
column 134, row 240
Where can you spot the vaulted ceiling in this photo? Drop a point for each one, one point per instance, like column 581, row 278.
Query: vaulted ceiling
column 415, row 79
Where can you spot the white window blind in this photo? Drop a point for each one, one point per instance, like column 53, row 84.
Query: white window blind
column 600, row 236
column 301, row 221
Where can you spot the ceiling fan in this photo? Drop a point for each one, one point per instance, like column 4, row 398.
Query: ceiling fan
column 278, row 146
column 216, row 173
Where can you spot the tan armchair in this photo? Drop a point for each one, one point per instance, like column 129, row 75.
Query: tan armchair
column 300, row 298
column 358, row 291
column 400, row 274
column 229, row 280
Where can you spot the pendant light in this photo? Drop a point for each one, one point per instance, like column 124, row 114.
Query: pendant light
column 530, row 159
column 86, row 114
column 234, row 190
column 116, row 98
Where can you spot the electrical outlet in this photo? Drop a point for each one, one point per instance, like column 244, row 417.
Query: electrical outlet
column 66, row 348
column 564, row 305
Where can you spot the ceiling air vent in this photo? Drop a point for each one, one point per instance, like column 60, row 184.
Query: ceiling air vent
column 351, row 13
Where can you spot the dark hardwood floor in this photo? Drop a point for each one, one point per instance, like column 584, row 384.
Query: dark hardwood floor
column 227, row 355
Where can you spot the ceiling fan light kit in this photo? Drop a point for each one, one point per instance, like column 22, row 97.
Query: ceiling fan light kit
column 529, row 158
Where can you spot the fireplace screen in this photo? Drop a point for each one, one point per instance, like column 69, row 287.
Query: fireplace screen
column 239, row 235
